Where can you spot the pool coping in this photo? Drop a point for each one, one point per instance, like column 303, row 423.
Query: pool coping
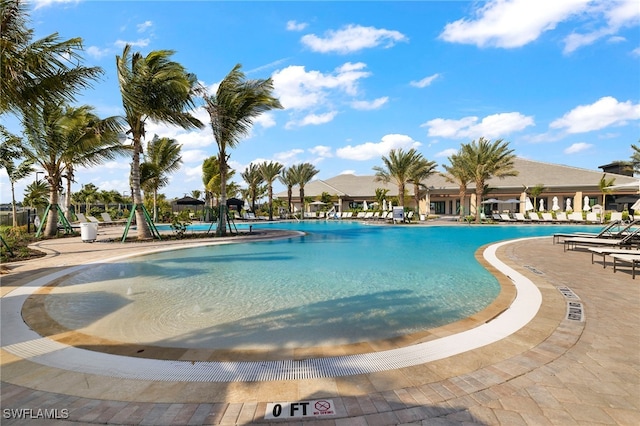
column 28, row 344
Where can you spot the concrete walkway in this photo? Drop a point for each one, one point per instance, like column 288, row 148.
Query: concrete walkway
column 576, row 362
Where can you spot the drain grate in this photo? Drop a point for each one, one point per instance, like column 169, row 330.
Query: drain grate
column 534, row 270
column 575, row 311
column 567, row 292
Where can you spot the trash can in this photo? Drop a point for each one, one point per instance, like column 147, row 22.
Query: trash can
column 88, row 232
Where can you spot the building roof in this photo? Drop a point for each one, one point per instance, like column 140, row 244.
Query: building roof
column 530, row 173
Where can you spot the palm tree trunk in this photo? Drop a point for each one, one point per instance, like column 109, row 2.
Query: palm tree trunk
column 155, row 205
column 67, row 202
column 222, row 214
column 301, row 202
column 289, row 198
column 51, row 229
column 14, row 211
column 270, row 203
column 479, row 188
column 141, row 224
column 462, row 194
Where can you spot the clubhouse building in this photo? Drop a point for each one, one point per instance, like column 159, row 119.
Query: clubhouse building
column 566, row 188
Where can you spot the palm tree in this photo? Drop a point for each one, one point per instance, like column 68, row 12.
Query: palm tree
column 604, row 185
column 9, row 152
column 254, row 180
column 153, row 88
column 303, row 174
column 536, row 191
column 398, row 167
column 35, row 194
column 270, row 172
column 162, row 158
column 89, row 194
column 635, row 158
column 288, row 179
column 485, row 159
column 35, row 72
column 459, row 174
column 232, row 109
column 422, row 169
column 196, row 193
column 58, row 135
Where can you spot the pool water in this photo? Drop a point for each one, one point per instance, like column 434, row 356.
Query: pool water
column 340, row 283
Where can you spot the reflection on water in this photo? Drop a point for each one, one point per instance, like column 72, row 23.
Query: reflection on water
column 341, row 283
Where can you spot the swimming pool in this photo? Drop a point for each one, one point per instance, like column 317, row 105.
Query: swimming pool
column 340, row 283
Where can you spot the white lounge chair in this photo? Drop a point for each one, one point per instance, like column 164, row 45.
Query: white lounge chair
column 520, row 217
column 547, row 217
column 562, row 217
column 505, row 217
column 604, row 251
column 615, row 216
column 534, row 216
column 611, row 230
column 571, row 243
column 592, row 217
column 626, row 258
column 106, row 219
column 576, row 217
column 81, row 218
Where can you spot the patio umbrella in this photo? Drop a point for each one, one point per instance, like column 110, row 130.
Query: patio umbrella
column 636, row 205
column 365, row 206
column 555, row 207
column 528, row 205
column 541, row 205
column 490, row 201
column 586, row 206
column 568, row 206
column 384, row 205
column 625, row 185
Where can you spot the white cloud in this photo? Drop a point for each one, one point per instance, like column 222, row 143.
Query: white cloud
column 296, row 26
column 265, row 120
column 352, row 38
column 369, row 105
column 577, row 147
column 347, row 172
column 492, row 126
column 616, row 39
column 288, row 157
column 636, row 51
column 446, row 153
column 312, row 119
column 96, row 52
column 43, row 3
column 605, row 112
column 194, row 155
column 369, row 150
column 321, row 150
column 143, row 42
column 511, row 23
column 144, row 26
column 425, row 81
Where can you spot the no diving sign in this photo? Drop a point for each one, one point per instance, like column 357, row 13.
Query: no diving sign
column 289, row 410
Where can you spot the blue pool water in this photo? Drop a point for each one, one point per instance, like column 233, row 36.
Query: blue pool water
column 340, row 283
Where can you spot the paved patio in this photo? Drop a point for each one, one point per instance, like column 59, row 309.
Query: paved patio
column 576, row 362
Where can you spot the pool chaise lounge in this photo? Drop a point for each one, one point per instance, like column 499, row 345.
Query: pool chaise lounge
column 606, row 232
column 604, row 251
column 627, row 241
column 626, row 258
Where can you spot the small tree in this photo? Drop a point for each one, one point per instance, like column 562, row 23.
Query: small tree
column 604, row 184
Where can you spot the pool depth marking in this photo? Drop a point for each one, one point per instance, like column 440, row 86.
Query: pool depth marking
column 21, row 341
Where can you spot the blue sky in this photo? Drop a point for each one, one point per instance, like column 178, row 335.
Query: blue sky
column 559, row 80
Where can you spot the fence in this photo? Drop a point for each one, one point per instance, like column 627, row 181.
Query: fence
column 24, row 218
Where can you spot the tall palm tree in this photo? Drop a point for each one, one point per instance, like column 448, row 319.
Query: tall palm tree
column 303, row 174
column 459, row 174
column 484, row 160
column 254, row 180
column 535, row 192
column 196, row 193
column 162, row 158
column 153, row 87
column 232, row 109
column 604, row 185
column 422, row 169
column 9, row 153
column 398, row 167
column 35, row 194
column 89, row 194
column 57, row 135
column 635, row 158
column 288, row 179
column 41, row 71
column 270, row 172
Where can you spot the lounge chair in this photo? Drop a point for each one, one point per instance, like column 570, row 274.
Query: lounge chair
column 626, row 258
column 496, row 217
column 547, row 217
column 575, row 217
column 506, row 218
column 93, row 220
column 520, row 217
column 615, row 216
column 81, row 218
column 368, row 215
column 562, row 217
column 106, row 219
column 604, row 251
column 360, row 215
column 592, row 217
column 534, row 216
column 609, row 231
column 626, row 241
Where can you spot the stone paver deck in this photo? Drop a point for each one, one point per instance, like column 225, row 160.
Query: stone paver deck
column 576, row 362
